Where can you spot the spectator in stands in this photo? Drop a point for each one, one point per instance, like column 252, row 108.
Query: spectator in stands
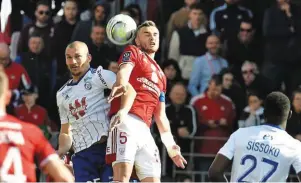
column 216, row 114
column 253, row 80
column 101, row 52
column 294, row 123
column 179, row 18
column 83, row 29
column 225, row 20
column 206, row 66
column 33, row 113
column 17, row 75
column 172, row 72
column 62, row 35
column 113, row 66
column 182, row 117
column 233, row 90
column 243, row 47
column 188, row 42
column 38, row 67
column 42, row 26
column 282, row 32
column 252, row 114
column 182, row 120
column 137, row 12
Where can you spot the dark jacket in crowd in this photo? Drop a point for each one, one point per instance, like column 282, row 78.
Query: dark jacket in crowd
column 39, row 70
column 102, row 55
column 293, row 126
column 282, row 44
column 61, row 38
column 31, row 29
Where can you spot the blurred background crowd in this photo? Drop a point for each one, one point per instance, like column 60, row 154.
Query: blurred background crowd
column 221, row 58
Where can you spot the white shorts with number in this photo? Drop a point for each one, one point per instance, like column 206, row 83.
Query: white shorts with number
column 132, row 142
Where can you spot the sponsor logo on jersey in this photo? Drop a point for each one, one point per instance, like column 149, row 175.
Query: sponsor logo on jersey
column 101, row 78
column 78, row 108
column 88, row 86
column 149, row 85
column 126, row 56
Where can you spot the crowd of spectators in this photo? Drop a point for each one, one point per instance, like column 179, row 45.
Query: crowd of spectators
column 221, row 58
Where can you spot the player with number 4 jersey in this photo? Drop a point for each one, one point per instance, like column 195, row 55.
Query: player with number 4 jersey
column 21, row 143
column 261, row 153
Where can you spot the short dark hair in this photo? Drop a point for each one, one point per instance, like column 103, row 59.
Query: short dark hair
column 276, row 108
column 255, row 94
column 217, row 79
column 196, row 6
column 43, row 2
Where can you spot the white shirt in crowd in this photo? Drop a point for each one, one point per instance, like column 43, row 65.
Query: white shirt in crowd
column 262, row 153
column 84, row 106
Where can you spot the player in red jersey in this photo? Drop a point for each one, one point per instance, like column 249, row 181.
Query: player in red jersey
column 130, row 142
column 21, row 143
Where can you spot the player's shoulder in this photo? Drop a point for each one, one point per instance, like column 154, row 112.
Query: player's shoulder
column 197, row 98
column 12, row 122
column 131, row 48
column 63, row 87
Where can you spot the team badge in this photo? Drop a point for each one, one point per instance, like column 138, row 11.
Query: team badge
column 35, row 116
column 88, row 86
column 121, row 151
column 126, row 56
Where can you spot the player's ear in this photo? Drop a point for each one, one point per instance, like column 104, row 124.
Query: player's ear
column 89, row 57
column 8, row 97
column 290, row 115
column 137, row 41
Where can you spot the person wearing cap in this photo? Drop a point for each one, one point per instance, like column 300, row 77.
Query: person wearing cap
column 33, row 113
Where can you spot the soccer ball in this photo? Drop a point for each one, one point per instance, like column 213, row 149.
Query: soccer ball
column 121, row 29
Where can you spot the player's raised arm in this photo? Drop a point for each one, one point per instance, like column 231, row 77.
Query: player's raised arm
column 126, row 62
column 164, row 128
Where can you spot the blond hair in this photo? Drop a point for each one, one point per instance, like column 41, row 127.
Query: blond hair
column 147, row 23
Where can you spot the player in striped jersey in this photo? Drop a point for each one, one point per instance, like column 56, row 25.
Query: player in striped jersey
column 83, row 112
column 262, row 153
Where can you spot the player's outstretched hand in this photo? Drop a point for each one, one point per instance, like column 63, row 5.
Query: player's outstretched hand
column 117, row 119
column 117, row 91
column 177, row 158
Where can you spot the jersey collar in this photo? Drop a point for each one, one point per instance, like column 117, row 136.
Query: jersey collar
column 275, row 126
column 72, row 83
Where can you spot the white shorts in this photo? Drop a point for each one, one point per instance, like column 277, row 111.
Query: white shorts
column 133, row 143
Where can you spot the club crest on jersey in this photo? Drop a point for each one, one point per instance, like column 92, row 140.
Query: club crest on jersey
column 126, row 56
column 88, row 86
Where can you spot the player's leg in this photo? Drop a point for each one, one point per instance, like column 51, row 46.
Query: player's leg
column 87, row 164
column 147, row 159
column 126, row 147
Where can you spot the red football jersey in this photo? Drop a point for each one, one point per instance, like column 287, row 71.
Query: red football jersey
column 147, row 79
column 17, row 76
column 20, row 145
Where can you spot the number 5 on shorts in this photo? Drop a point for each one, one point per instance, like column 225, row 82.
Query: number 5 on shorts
column 122, row 138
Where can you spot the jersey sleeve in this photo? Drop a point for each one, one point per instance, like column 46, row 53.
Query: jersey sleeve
column 229, row 148
column 129, row 56
column 297, row 160
column 43, row 150
column 104, row 78
column 62, row 111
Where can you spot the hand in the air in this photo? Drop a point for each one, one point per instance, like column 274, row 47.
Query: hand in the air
column 177, row 158
column 117, row 91
column 117, row 119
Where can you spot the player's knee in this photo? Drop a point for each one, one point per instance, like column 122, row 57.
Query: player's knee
column 122, row 172
column 150, row 179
